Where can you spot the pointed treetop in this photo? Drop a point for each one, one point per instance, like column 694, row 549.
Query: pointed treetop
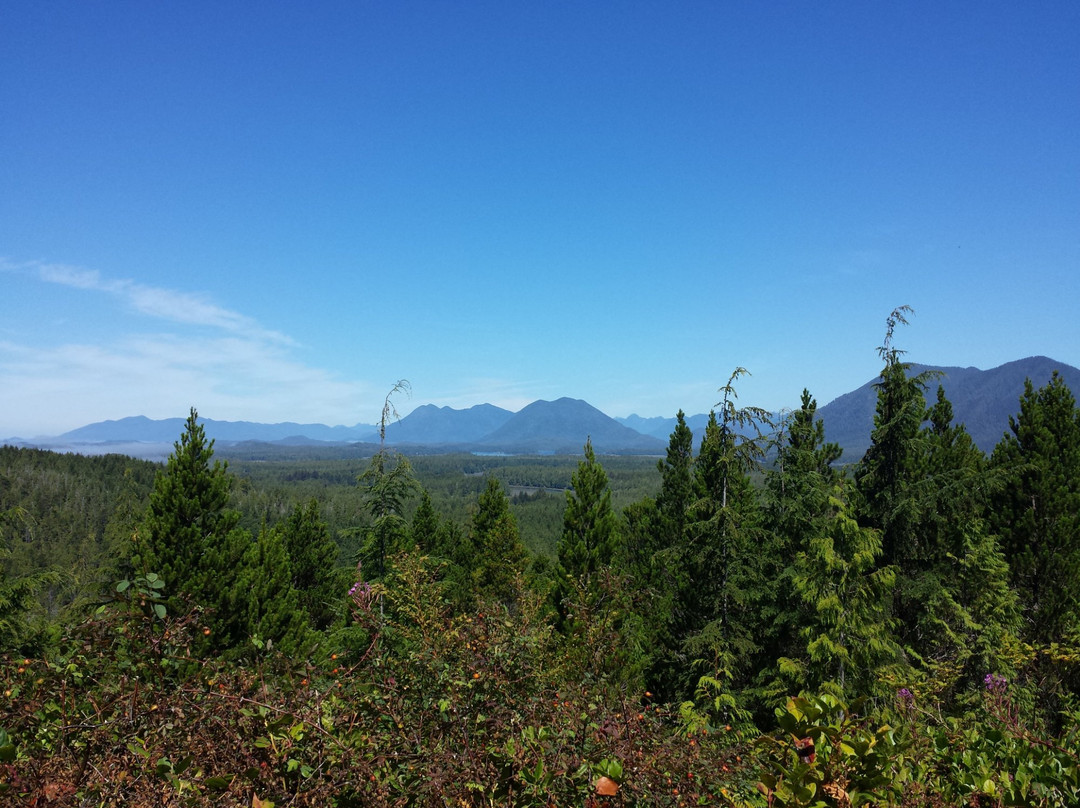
column 389, row 410
column 732, row 417
column 898, row 316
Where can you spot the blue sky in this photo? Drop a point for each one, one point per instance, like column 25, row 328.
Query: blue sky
column 275, row 213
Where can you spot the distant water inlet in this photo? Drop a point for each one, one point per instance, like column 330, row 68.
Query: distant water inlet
column 530, row 490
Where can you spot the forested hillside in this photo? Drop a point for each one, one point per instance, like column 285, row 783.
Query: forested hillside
column 458, row 630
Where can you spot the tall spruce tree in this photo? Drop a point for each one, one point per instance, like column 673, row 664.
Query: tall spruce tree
column 192, row 539
column 454, row 547
column 424, row 528
column 18, row 595
column 589, row 540
column 945, row 616
column 270, row 606
column 313, row 560
column 447, row 543
column 802, row 477
column 885, row 475
column 1037, row 511
column 676, row 484
column 590, row 534
column 653, row 544
column 922, row 484
column 220, row 588
column 595, row 603
column 835, row 622
column 799, row 487
column 989, row 622
column 189, row 529
column 889, row 479
column 724, row 543
column 500, row 556
column 388, row 483
column 847, row 625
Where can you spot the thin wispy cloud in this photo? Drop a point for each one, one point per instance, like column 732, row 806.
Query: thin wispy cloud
column 197, row 353
column 166, row 304
column 164, row 350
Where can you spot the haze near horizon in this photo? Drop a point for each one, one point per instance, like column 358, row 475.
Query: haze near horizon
column 275, row 216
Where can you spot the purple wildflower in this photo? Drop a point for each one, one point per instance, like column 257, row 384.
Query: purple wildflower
column 363, row 597
column 995, row 683
column 360, row 589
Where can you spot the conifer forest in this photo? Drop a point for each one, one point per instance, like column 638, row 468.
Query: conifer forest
column 752, row 619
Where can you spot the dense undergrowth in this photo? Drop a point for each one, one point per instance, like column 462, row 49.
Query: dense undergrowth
column 410, row 704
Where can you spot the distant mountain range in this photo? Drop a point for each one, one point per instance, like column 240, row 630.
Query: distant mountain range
column 141, row 428
column 431, row 424
column 982, row 399
column 561, row 427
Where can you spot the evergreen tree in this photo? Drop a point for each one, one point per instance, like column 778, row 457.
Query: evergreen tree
column 838, row 624
column 389, row 483
column 724, row 543
column 891, row 487
column 1037, row 511
column 847, row 625
column 499, row 554
column 922, row 485
column 802, row 478
column 654, row 532
column 587, row 547
column 590, row 534
column 800, row 486
column 640, row 531
column 424, row 528
column 454, row 548
column 194, row 542
column 447, row 543
column 219, row 587
column 991, row 609
column 945, row 617
column 188, row 525
column 271, row 606
column 886, row 474
column 676, row 484
column 313, row 559
column 952, row 486
column 19, row 595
